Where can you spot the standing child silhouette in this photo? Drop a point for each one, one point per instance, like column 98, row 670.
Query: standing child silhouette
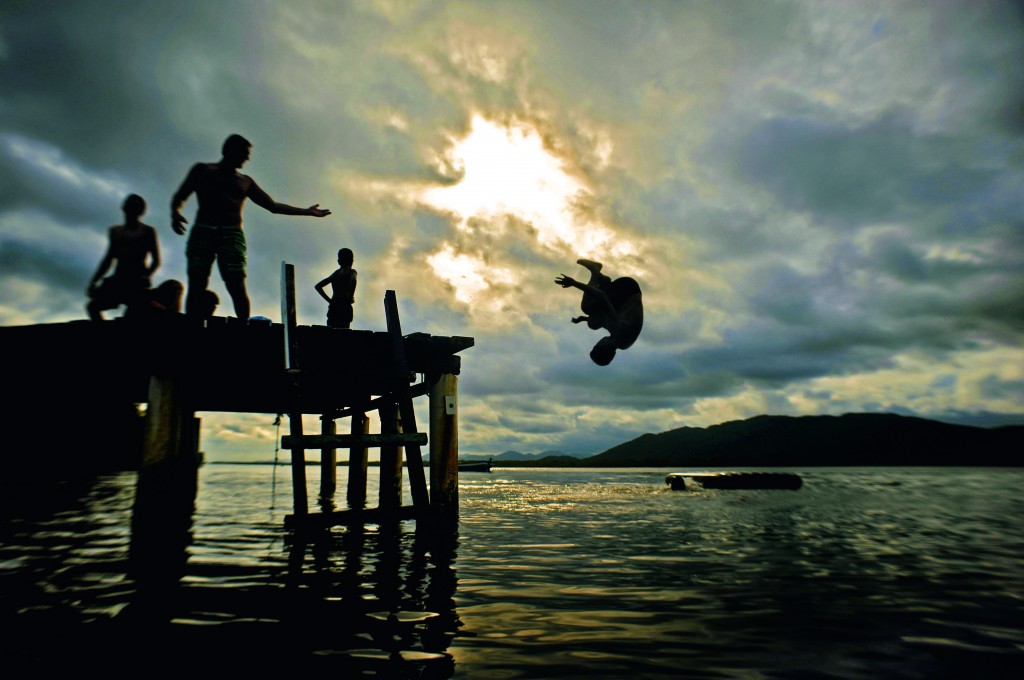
column 343, row 291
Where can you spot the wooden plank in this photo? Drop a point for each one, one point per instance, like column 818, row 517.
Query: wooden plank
column 236, row 368
column 328, row 461
column 417, row 390
column 348, row 441
column 407, row 414
column 390, row 496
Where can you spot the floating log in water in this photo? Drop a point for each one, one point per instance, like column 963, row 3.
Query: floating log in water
column 692, row 481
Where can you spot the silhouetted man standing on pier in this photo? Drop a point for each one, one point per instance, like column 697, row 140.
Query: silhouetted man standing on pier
column 217, row 233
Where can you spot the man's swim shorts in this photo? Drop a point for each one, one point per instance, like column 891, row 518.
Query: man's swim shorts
column 225, row 244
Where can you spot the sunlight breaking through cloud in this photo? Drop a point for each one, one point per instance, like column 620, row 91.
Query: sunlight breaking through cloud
column 508, row 171
column 469, row 275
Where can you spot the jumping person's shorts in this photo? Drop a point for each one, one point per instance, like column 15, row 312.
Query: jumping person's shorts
column 207, row 243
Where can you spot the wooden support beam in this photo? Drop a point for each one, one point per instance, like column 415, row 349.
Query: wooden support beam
column 328, row 460
column 417, row 390
column 407, row 414
column 347, row 441
column 172, row 430
column 444, row 443
column 357, row 463
column 390, row 494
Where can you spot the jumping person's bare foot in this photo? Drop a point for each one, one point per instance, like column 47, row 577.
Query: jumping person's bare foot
column 594, row 267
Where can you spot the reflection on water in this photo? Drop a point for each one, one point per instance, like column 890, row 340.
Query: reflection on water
column 911, row 573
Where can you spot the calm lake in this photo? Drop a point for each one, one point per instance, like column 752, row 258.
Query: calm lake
column 550, row 573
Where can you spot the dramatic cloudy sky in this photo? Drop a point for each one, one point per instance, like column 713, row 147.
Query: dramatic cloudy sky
column 823, row 201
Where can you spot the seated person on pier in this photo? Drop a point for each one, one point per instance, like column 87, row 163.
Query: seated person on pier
column 343, row 291
column 614, row 305
column 158, row 303
column 206, row 304
column 133, row 246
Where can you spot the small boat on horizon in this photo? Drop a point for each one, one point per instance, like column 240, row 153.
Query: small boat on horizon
column 475, row 466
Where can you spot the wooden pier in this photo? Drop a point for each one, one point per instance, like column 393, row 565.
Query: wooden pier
column 69, row 378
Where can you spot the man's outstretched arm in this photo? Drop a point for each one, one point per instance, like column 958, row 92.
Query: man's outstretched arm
column 263, row 200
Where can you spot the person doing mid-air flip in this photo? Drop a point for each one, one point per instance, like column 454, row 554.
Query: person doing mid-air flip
column 217, row 233
column 614, row 305
column 343, row 291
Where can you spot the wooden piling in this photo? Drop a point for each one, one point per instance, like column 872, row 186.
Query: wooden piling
column 328, row 460
column 444, row 443
column 196, row 429
column 170, row 431
column 407, row 414
column 390, row 497
column 357, row 464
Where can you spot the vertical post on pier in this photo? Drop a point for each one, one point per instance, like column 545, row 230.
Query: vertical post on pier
column 197, row 424
column 291, row 364
column 407, row 414
column 165, row 489
column 328, row 460
column 390, row 462
column 170, row 432
column 444, row 443
column 357, row 463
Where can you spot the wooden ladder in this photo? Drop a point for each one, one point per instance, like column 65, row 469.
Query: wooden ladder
column 397, row 402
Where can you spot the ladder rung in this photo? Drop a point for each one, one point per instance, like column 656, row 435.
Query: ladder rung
column 347, row 441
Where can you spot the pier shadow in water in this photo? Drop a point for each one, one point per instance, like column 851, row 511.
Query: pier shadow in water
column 110, row 577
column 379, row 599
column 376, row 600
column 161, row 532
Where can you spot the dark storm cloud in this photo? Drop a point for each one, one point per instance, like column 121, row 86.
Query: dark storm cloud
column 107, row 109
column 883, row 170
column 45, row 266
column 36, row 175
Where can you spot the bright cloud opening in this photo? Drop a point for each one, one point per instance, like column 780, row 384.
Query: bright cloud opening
column 469, row 275
column 508, row 171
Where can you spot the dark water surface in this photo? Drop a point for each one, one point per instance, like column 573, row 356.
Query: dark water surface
column 862, row 573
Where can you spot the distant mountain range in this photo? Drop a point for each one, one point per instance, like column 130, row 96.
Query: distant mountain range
column 516, row 456
column 786, row 441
